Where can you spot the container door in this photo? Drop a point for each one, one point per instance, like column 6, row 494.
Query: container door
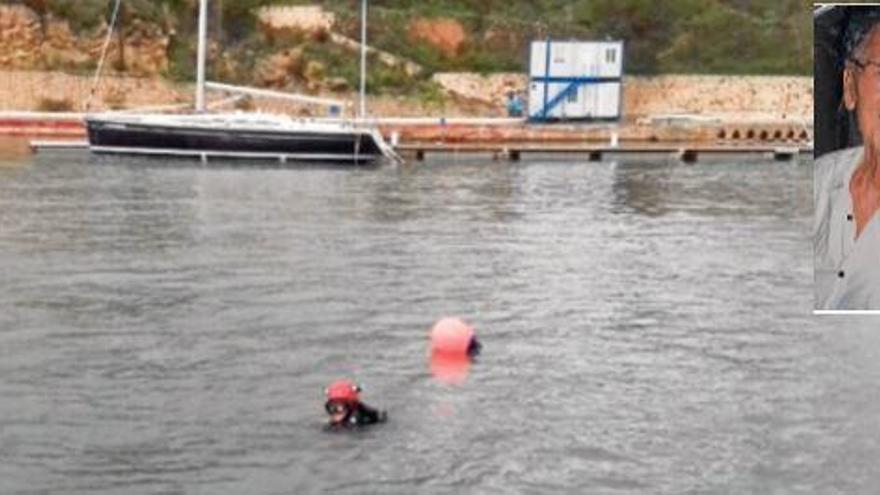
column 608, row 100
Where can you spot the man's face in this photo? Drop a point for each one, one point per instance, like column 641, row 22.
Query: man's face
column 862, row 89
column 338, row 411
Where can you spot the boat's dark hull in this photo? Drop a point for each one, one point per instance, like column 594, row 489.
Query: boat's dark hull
column 107, row 136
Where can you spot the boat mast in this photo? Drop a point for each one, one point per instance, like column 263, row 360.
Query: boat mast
column 363, row 106
column 200, row 64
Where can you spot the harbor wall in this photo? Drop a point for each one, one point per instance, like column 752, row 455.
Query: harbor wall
column 730, row 98
column 24, row 90
column 725, row 96
column 721, row 109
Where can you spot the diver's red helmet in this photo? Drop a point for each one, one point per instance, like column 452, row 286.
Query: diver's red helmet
column 343, row 391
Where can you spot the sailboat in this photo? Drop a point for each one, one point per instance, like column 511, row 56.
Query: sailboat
column 247, row 135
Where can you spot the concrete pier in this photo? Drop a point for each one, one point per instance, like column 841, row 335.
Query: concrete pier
column 509, row 139
column 686, row 153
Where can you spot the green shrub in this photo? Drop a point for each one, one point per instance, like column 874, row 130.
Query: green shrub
column 182, row 60
column 82, row 15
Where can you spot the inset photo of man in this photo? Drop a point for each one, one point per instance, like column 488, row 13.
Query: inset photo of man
column 846, row 181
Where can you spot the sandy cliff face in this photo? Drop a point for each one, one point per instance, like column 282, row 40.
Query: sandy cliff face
column 25, row 43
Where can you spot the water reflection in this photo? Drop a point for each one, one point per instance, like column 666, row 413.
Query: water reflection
column 711, row 188
column 450, row 369
column 640, row 189
column 488, row 193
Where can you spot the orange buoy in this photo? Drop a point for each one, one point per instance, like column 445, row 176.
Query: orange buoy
column 452, row 336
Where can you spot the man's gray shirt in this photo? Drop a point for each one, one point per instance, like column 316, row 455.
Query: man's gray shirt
column 847, row 270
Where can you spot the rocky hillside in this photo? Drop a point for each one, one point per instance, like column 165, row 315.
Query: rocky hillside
column 28, row 41
column 279, row 43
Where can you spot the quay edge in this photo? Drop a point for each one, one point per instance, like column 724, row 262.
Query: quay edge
column 438, row 131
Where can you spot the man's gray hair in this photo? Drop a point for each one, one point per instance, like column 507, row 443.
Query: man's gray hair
column 862, row 20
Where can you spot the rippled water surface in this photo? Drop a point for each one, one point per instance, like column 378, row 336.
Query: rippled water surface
column 169, row 328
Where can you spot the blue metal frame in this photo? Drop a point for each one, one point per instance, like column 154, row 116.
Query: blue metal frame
column 546, row 79
column 573, row 84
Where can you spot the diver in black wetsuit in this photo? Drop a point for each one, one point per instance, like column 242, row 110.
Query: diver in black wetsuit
column 346, row 409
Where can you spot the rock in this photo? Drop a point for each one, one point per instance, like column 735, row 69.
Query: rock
column 497, row 39
column 23, row 44
column 447, row 35
column 491, row 90
column 411, row 68
column 277, row 69
column 297, row 18
column 292, row 61
column 319, row 36
column 65, row 58
column 313, row 87
column 293, row 24
column 315, row 72
column 115, row 98
column 337, row 84
column 268, row 75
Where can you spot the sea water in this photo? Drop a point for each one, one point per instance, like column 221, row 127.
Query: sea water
column 167, row 327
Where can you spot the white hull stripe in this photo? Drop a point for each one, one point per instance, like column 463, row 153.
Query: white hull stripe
column 232, row 154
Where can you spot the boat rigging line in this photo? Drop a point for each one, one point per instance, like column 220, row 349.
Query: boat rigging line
column 110, row 28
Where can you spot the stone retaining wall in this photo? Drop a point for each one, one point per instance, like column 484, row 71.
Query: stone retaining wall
column 22, row 90
column 729, row 97
column 29, row 90
column 745, row 99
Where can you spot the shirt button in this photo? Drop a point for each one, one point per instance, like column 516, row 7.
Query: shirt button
column 840, row 274
column 849, row 217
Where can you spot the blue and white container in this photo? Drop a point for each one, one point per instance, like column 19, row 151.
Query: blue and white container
column 575, row 80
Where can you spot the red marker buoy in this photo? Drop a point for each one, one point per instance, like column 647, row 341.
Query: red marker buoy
column 452, row 336
column 453, row 344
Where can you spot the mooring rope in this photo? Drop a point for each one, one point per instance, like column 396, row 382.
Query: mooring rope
column 110, row 29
